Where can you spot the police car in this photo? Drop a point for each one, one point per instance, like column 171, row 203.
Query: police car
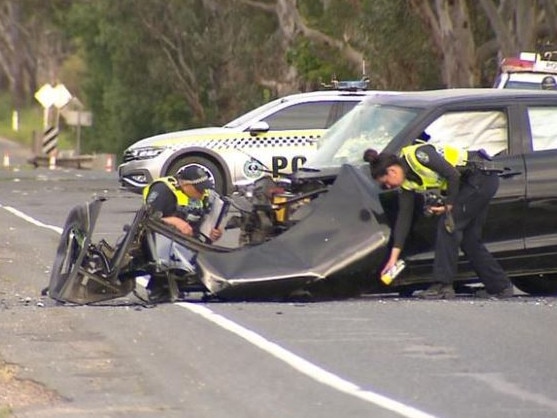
column 527, row 71
column 278, row 137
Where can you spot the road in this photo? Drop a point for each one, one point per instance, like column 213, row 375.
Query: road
column 372, row 356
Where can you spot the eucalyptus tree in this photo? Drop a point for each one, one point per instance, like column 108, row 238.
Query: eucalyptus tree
column 453, row 27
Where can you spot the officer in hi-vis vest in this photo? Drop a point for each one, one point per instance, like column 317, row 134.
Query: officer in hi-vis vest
column 180, row 200
column 465, row 192
column 183, row 202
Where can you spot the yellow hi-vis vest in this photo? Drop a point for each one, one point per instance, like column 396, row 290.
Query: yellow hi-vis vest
column 182, row 199
column 430, row 179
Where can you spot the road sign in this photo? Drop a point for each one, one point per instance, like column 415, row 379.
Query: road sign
column 78, row 117
column 57, row 96
column 50, row 140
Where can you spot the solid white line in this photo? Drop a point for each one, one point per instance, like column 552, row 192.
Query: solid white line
column 30, row 219
column 297, row 362
column 304, row 366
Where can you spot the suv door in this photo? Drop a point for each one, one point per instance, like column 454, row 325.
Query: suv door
column 541, row 163
column 493, row 130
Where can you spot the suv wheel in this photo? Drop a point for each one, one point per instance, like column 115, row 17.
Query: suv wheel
column 206, row 165
column 539, row 285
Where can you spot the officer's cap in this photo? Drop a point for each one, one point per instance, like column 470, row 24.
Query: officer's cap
column 195, row 176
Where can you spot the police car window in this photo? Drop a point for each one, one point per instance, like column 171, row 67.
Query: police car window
column 339, row 110
column 543, row 127
column 313, row 115
column 472, row 130
column 523, row 85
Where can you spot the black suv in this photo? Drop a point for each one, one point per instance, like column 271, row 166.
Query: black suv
column 517, row 128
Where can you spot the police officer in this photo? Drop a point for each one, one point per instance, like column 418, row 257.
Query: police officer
column 182, row 200
column 548, row 83
column 421, row 167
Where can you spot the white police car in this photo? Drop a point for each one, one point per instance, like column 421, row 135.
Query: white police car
column 527, row 71
column 277, row 136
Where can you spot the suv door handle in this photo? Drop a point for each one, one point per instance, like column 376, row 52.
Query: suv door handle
column 507, row 173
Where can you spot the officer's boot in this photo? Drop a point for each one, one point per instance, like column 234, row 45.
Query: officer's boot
column 438, row 291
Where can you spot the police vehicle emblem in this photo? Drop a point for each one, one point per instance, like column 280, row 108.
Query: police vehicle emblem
column 422, row 157
column 252, row 169
column 152, row 196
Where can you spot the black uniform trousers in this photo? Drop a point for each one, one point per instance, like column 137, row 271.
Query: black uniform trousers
column 470, row 213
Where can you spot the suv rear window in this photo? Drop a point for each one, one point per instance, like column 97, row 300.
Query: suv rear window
column 543, row 127
column 471, row 130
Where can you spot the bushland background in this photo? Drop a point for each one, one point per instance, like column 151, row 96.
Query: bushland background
column 149, row 66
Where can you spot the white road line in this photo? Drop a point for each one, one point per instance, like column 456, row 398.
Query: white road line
column 297, row 362
column 304, row 366
column 30, row 219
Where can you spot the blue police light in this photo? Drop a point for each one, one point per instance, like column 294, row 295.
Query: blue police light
column 353, row 85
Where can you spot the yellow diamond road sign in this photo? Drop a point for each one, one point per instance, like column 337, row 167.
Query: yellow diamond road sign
column 58, row 95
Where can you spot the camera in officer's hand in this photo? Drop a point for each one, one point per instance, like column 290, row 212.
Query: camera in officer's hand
column 432, row 200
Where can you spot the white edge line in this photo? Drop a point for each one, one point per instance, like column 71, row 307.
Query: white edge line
column 31, row 220
column 304, row 366
column 297, row 362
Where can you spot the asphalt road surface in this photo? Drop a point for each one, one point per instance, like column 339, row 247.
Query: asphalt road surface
column 373, row 356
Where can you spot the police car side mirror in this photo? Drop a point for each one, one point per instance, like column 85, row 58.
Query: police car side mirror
column 258, row 128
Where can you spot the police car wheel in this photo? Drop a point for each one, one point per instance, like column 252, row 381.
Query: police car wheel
column 211, row 168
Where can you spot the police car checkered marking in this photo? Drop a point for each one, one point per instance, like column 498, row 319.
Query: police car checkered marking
column 250, row 142
column 240, row 142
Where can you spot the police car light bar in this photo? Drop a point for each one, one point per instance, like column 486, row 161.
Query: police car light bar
column 354, row 85
column 529, row 62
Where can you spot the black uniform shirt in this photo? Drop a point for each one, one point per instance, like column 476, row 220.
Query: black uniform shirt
column 430, row 158
column 162, row 199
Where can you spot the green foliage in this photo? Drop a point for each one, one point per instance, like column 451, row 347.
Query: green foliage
column 120, row 89
column 29, row 125
column 29, row 121
column 5, row 411
column 398, row 49
column 318, row 64
column 149, row 66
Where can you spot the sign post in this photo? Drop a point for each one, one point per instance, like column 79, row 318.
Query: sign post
column 75, row 115
column 52, row 96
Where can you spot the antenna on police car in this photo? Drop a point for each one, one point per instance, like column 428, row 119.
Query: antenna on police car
column 350, row 85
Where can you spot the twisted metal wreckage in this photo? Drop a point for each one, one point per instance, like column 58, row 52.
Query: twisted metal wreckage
column 326, row 240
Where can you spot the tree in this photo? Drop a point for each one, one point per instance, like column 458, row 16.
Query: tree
column 31, row 49
column 448, row 21
column 514, row 26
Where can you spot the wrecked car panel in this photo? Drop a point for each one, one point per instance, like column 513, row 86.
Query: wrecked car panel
column 346, row 225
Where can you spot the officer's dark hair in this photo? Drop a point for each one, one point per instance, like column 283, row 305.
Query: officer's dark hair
column 380, row 162
column 549, row 83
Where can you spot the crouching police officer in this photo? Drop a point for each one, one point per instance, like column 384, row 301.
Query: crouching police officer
column 183, row 202
column 422, row 167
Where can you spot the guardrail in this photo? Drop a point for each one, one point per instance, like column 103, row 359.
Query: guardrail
column 105, row 162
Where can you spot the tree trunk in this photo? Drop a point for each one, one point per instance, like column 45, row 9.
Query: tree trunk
column 449, row 22
column 12, row 51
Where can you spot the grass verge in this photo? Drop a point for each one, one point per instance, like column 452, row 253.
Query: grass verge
column 27, row 124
